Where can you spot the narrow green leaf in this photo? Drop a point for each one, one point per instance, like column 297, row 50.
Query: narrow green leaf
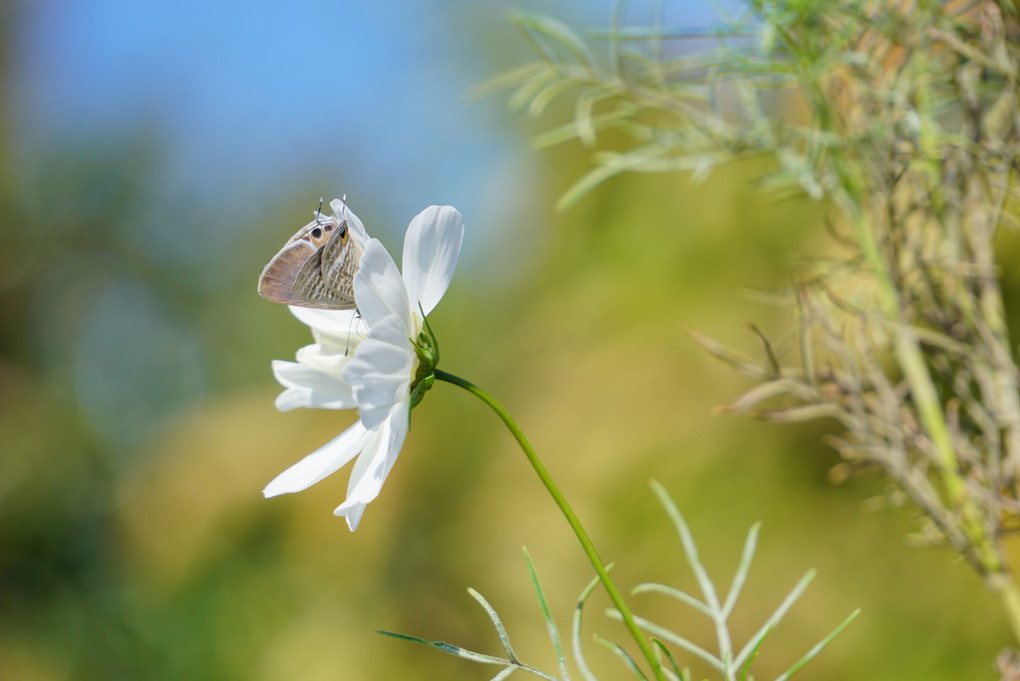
column 449, row 649
column 661, row 647
column 556, row 30
column 547, row 94
column 569, row 131
column 811, row 654
column 690, row 549
column 523, row 95
column 675, row 639
column 537, row 672
column 640, row 34
column 554, row 633
column 600, row 174
column 588, row 181
column 583, row 114
column 504, row 638
column 627, row 659
column 699, row 165
column 754, row 653
column 672, row 592
column 506, row 80
column 575, row 639
column 504, row 674
column 774, row 618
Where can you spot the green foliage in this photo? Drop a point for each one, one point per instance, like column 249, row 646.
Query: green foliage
column 903, row 118
column 729, row 666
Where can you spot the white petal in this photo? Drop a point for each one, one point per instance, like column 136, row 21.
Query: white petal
column 327, row 357
column 386, row 349
column 380, row 372
column 371, row 469
column 343, row 212
column 292, row 398
column 379, row 289
column 309, row 387
column 366, row 483
column 372, row 459
column 342, row 346
column 431, row 249
column 322, row 462
column 353, row 513
column 336, row 324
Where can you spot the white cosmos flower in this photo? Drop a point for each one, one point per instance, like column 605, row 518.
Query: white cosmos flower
column 376, row 373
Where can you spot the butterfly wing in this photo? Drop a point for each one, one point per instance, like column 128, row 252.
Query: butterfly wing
column 315, row 268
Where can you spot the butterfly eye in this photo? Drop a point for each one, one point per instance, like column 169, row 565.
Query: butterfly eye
column 343, row 231
column 317, row 233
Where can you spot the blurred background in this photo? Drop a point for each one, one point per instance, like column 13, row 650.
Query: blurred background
column 153, row 156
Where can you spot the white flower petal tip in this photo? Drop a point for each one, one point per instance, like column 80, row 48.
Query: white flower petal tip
column 341, row 211
column 374, row 464
column 431, row 250
column 321, row 463
column 352, row 514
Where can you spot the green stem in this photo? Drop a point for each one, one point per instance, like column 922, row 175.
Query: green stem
column 1003, row 586
column 984, row 550
column 909, row 356
column 568, row 513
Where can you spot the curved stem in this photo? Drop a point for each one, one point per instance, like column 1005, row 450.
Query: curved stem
column 568, row 513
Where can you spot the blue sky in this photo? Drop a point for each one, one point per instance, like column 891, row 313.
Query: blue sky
column 366, row 99
column 359, row 98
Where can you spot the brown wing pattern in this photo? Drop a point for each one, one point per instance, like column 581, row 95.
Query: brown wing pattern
column 341, row 258
column 315, row 268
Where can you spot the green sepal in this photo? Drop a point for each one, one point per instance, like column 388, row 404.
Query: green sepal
column 426, row 347
column 423, row 387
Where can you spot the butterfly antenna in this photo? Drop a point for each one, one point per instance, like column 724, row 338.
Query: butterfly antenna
column 344, row 201
column 319, row 211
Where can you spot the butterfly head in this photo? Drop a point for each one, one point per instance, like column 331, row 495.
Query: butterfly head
column 319, row 232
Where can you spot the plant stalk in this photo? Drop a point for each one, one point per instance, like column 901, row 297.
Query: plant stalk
column 1005, row 587
column 984, row 550
column 568, row 513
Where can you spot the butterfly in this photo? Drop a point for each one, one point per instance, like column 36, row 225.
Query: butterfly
column 316, row 267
